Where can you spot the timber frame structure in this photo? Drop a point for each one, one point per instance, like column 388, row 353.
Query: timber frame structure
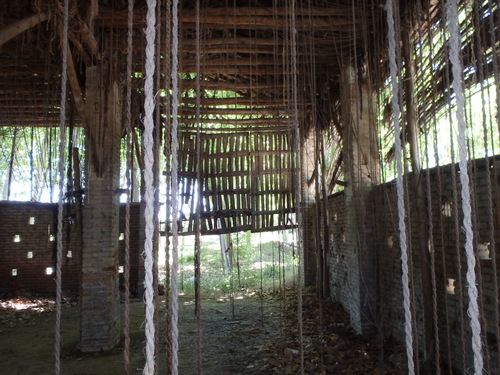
column 293, row 105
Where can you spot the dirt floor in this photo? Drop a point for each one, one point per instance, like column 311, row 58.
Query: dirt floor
column 247, row 334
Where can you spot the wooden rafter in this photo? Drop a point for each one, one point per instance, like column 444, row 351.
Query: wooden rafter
column 11, row 31
column 332, row 18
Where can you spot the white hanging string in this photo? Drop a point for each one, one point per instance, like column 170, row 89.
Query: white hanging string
column 149, row 105
column 198, row 181
column 167, row 152
column 175, row 186
column 128, row 127
column 399, row 187
column 457, row 69
column 62, row 137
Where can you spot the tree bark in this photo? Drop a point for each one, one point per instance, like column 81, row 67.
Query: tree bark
column 11, row 164
column 226, row 249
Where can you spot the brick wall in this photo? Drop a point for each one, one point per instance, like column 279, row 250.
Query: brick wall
column 36, row 249
column 136, row 247
column 28, row 249
column 343, row 257
column 449, row 257
column 341, row 276
column 309, row 245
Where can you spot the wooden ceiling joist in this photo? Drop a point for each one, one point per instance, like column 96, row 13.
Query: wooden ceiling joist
column 242, row 101
column 235, row 70
column 261, row 129
column 331, row 18
column 275, row 122
column 211, row 111
column 244, row 49
column 187, row 84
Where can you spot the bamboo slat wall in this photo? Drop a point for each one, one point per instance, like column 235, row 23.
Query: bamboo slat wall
column 246, row 181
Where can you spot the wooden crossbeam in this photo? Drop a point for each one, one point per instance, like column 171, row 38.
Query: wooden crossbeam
column 207, row 111
column 331, row 18
column 234, row 70
column 241, row 101
column 246, row 122
column 14, row 29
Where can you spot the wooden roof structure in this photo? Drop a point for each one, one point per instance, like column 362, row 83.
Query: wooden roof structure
column 255, row 73
column 264, row 66
column 245, row 48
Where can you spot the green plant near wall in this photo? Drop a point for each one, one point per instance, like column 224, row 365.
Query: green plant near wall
column 242, row 243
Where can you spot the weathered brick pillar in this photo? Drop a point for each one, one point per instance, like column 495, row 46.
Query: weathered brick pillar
column 99, row 297
column 308, row 156
column 361, row 173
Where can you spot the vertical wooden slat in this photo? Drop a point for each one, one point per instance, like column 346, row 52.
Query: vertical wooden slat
column 240, row 171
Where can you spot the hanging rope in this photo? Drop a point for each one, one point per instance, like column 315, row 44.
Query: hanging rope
column 149, row 105
column 156, row 173
column 399, row 187
column 432, row 251
column 168, row 153
column 31, row 166
column 297, row 180
column 128, row 127
column 441, row 231
column 175, row 185
column 197, row 266
column 473, row 309
column 64, row 81
column 491, row 225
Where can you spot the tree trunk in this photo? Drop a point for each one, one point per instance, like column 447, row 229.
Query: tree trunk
column 226, row 250
column 40, row 172
column 11, row 165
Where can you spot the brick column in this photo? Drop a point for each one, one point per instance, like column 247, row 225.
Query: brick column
column 308, row 206
column 99, row 297
column 361, row 173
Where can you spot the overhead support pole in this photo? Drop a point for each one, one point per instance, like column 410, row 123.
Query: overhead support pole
column 18, row 27
column 77, row 91
column 79, row 102
column 412, row 126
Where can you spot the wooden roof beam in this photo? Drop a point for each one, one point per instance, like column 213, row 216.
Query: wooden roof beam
column 14, row 29
column 275, row 122
column 231, row 69
column 208, row 111
column 254, row 102
column 332, row 18
column 229, row 85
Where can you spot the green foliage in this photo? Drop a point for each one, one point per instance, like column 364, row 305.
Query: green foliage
column 437, row 106
column 243, row 244
column 35, row 160
column 260, row 262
